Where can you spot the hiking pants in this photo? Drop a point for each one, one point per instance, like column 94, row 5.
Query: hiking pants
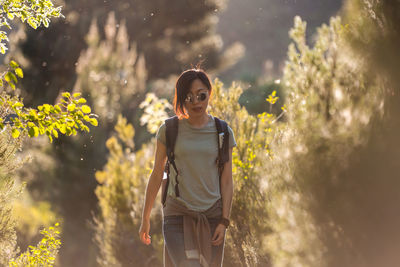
column 173, row 238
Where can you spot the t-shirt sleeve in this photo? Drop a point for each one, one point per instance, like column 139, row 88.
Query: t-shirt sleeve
column 232, row 141
column 161, row 134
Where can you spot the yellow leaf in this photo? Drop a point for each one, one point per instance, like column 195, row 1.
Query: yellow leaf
column 14, row 64
column 71, row 107
column 94, row 122
column 86, row 109
column 15, row 133
column 19, row 72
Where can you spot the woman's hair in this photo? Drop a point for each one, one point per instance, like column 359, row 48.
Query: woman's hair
column 183, row 85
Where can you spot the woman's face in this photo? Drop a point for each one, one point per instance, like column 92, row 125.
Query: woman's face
column 197, row 107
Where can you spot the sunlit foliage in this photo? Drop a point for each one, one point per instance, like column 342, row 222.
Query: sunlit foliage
column 112, row 76
column 8, row 192
column 44, row 253
column 111, row 72
column 120, row 192
column 66, row 117
column 169, row 37
column 33, row 13
column 17, row 122
column 155, row 112
column 330, row 105
column 253, row 135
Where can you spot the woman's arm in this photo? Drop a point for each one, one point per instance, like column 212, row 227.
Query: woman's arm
column 227, row 187
column 227, row 195
column 152, row 188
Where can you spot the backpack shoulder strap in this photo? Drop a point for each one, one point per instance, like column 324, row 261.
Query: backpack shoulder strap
column 223, row 142
column 171, row 133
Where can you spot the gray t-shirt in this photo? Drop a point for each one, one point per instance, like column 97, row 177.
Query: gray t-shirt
column 196, row 150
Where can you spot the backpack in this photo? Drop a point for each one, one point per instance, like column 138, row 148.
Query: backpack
column 171, row 134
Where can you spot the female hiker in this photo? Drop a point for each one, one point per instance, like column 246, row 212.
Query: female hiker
column 199, row 194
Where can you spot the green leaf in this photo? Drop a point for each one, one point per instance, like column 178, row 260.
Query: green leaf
column 12, row 85
column 19, row 72
column 7, row 77
column 15, row 133
column 13, row 64
column 10, row 77
column 86, row 109
column 68, row 131
column 31, row 132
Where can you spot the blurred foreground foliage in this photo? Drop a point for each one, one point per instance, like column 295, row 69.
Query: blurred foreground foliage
column 331, row 102
column 64, row 117
column 8, row 193
column 17, row 122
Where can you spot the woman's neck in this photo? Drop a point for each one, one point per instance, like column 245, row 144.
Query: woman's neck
column 199, row 121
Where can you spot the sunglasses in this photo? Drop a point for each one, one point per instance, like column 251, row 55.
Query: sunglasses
column 200, row 97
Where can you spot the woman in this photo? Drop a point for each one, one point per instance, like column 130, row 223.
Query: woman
column 195, row 221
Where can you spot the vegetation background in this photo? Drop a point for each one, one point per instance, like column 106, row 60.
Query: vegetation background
column 311, row 91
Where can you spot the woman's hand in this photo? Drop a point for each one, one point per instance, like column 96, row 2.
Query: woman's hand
column 219, row 235
column 152, row 188
column 144, row 232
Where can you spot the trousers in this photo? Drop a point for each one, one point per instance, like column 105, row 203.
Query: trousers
column 174, row 242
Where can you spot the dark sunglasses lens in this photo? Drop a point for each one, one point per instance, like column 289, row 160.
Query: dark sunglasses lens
column 203, row 96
